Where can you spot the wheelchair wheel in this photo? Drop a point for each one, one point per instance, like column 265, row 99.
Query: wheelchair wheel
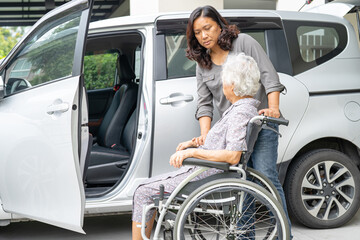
column 260, row 179
column 231, row 209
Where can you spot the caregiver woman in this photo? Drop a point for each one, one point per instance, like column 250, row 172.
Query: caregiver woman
column 210, row 40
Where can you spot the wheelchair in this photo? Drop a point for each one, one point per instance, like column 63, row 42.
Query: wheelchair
column 238, row 203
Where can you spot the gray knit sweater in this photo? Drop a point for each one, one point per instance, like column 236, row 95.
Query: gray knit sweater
column 209, row 83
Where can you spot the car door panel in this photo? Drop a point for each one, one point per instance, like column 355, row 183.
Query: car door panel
column 296, row 94
column 174, row 120
column 44, row 125
column 37, row 157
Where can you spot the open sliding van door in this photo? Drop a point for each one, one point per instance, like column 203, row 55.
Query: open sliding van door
column 42, row 123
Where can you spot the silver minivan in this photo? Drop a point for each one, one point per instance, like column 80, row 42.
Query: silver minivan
column 127, row 82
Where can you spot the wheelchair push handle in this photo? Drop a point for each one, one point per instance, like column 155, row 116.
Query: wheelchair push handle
column 265, row 119
column 280, row 121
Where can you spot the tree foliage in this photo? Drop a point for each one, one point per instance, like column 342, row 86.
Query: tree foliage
column 9, row 36
column 52, row 55
column 99, row 70
column 53, row 58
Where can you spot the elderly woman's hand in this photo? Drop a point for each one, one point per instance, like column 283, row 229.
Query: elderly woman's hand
column 270, row 112
column 178, row 157
column 185, row 145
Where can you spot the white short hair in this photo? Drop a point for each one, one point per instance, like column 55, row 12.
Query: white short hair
column 243, row 73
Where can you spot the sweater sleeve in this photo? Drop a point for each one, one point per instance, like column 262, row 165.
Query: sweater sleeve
column 205, row 105
column 268, row 75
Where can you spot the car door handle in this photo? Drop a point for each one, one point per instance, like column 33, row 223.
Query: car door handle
column 170, row 99
column 57, row 108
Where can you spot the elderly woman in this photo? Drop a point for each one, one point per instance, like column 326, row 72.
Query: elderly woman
column 225, row 142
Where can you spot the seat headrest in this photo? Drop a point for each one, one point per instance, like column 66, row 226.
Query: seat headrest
column 125, row 71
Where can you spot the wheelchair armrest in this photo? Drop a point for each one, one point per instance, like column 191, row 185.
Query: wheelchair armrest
column 205, row 163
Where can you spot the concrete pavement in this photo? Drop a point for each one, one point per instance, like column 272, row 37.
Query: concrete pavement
column 119, row 228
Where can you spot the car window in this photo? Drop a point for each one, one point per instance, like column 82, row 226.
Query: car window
column 259, row 36
column 48, row 55
column 178, row 65
column 21, row 69
column 316, row 42
column 313, row 43
column 100, row 70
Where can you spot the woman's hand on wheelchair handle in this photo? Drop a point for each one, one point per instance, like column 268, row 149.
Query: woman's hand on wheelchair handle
column 270, row 112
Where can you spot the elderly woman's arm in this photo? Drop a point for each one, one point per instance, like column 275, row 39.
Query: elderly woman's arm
column 231, row 157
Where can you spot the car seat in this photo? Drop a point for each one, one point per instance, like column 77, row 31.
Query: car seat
column 114, row 140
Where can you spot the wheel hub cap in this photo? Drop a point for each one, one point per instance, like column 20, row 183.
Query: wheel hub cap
column 327, row 190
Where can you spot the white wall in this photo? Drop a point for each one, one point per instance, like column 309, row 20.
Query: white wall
column 249, row 4
column 141, row 7
column 123, row 10
column 188, row 5
column 295, row 5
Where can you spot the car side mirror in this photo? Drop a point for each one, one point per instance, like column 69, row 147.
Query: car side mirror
column 2, row 90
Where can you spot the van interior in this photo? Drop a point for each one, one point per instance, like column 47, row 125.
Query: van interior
column 112, row 75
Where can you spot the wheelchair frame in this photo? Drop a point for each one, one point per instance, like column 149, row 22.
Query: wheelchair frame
column 162, row 207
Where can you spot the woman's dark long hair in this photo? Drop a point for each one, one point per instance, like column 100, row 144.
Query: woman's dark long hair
column 199, row 53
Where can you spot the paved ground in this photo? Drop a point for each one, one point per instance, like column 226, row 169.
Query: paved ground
column 119, row 228
column 350, row 231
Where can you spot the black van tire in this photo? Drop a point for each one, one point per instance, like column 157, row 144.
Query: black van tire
column 320, row 204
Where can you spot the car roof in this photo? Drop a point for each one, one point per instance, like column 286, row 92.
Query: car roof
column 151, row 19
